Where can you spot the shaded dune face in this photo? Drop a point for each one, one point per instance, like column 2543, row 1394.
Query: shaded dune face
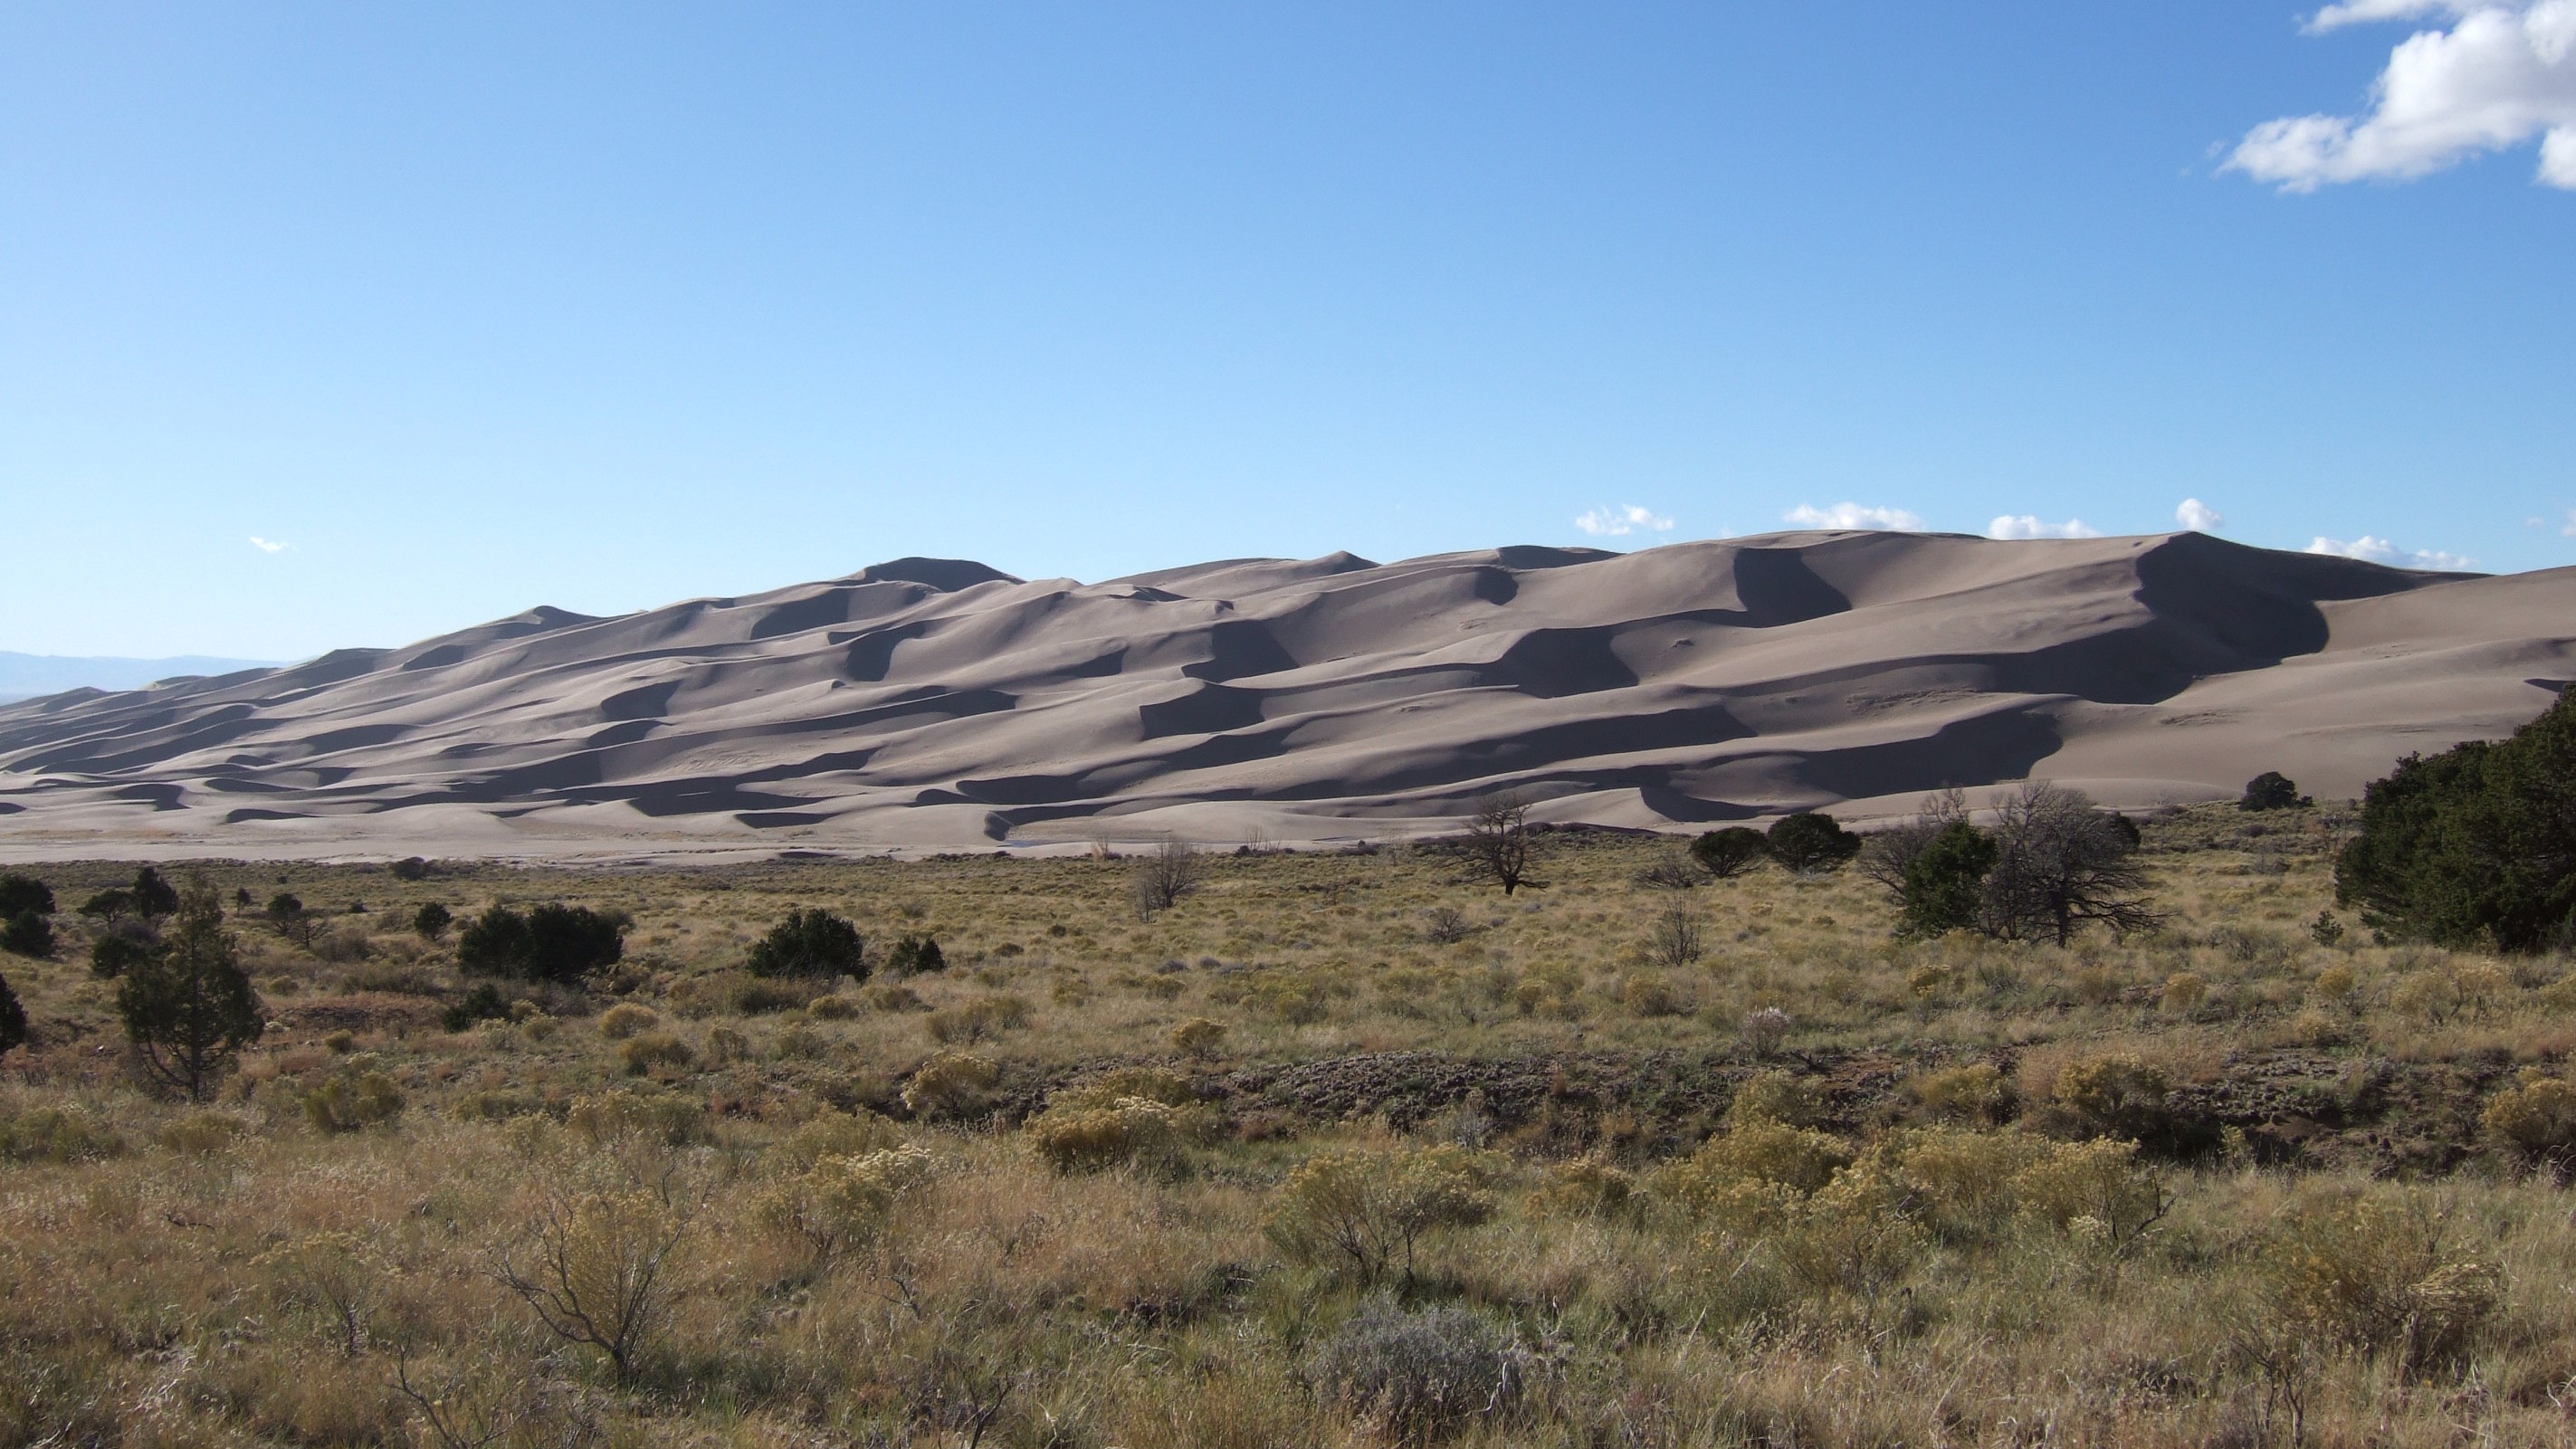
column 928, row 701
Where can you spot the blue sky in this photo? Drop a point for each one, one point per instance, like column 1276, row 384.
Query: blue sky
column 477, row 307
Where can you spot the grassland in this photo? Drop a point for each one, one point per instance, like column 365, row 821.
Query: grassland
column 1435, row 1164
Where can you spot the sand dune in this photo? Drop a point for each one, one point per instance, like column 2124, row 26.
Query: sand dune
column 931, row 703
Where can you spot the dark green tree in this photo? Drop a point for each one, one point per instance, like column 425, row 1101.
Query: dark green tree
column 153, row 896
column 287, row 917
column 913, row 954
column 119, row 950
column 108, row 904
column 1729, row 852
column 553, row 942
column 2272, row 790
column 1944, row 883
column 810, row 943
column 1810, row 841
column 25, row 893
column 27, row 934
column 13, row 1019
column 2475, row 845
column 189, row 1008
column 431, row 921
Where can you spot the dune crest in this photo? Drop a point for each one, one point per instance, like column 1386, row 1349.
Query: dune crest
column 940, row 703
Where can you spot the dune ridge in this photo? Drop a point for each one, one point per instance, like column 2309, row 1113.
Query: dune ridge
column 933, row 703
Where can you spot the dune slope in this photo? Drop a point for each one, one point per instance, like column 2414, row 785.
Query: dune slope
column 940, row 703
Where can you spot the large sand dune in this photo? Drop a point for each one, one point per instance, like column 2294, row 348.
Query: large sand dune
column 941, row 704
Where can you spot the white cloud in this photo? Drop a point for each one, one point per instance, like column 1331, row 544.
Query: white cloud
column 2381, row 551
column 1612, row 522
column 264, row 546
column 2365, row 12
column 2028, row 525
column 2570, row 529
column 2199, row 517
column 2503, row 73
column 1854, row 515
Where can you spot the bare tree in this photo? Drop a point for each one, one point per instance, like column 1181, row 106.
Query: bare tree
column 593, row 1270
column 1678, row 938
column 1498, row 840
column 2062, row 863
column 1162, row 878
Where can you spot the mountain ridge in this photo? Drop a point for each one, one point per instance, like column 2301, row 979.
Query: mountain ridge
column 941, row 703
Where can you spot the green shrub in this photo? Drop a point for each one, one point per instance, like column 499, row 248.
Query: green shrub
column 844, row 1201
column 57, row 1135
column 1729, row 852
column 951, row 1085
column 2272, row 790
column 641, row 1054
column 27, row 934
column 1369, row 1208
column 810, row 943
column 2473, row 845
column 625, row 1019
column 913, row 954
column 2537, row 1122
column 1809, row 842
column 484, row 1003
column 344, row 1104
column 553, row 942
column 1943, row 883
column 21, row 893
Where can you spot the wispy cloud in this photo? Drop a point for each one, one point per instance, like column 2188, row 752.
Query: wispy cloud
column 2502, row 73
column 1628, row 518
column 2199, row 517
column 1855, row 515
column 264, row 546
column 2029, row 525
column 2570, row 529
column 2381, row 551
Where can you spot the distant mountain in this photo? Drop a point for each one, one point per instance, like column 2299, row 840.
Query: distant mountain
column 26, row 676
column 939, row 703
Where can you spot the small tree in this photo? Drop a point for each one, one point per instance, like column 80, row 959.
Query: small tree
column 13, row 1019
column 23, row 893
column 1810, row 842
column 914, row 954
column 107, row 905
column 117, row 949
column 553, row 942
column 153, row 896
column 1944, row 883
column 1677, row 939
column 2061, row 864
column 2473, row 845
column 1498, row 840
column 431, row 921
column 1729, row 852
column 188, row 1007
column 810, row 943
column 2272, row 790
column 287, row 917
column 1162, row 878
column 27, row 934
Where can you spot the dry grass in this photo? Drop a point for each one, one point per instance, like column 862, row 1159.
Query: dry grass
column 1081, row 1225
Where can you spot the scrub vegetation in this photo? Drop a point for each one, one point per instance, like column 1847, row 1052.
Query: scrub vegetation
column 1321, row 1149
